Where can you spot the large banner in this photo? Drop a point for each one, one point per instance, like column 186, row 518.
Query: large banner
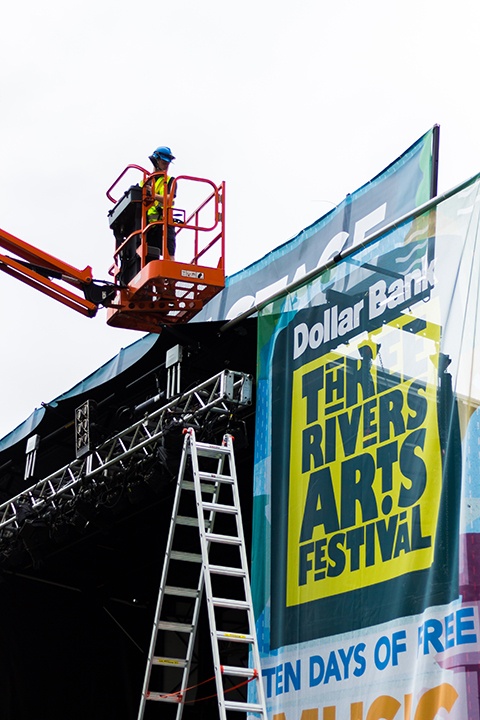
column 404, row 185
column 366, row 560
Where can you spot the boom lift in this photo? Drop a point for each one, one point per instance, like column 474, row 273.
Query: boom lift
column 153, row 288
column 148, row 288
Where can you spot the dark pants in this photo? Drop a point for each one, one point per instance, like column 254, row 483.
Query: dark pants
column 155, row 238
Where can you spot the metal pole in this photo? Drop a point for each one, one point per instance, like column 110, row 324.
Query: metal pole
column 435, row 156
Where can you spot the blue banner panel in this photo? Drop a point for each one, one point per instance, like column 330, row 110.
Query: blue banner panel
column 402, row 186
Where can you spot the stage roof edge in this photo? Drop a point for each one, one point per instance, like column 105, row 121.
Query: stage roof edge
column 123, row 360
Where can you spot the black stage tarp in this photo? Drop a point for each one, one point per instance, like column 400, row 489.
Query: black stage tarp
column 77, row 599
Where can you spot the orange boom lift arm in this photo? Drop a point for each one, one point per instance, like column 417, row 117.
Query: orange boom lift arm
column 49, row 275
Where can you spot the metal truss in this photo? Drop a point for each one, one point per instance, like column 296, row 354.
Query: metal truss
column 217, row 398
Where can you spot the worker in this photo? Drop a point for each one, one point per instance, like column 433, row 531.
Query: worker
column 161, row 159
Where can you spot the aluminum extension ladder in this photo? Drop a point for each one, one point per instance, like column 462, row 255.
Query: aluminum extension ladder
column 209, row 502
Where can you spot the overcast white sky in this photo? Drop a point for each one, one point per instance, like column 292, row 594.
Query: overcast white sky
column 292, row 104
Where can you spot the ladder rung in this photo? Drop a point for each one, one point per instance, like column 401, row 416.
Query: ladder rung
column 183, row 520
column 163, row 697
column 234, row 637
column 181, row 591
column 174, row 627
column 214, row 451
column 171, row 662
column 224, row 539
column 239, row 671
column 214, row 477
column 223, row 570
column 187, row 557
column 189, row 485
column 192, row 521
column 216, row 507
column 233, row 604
column 243, row 707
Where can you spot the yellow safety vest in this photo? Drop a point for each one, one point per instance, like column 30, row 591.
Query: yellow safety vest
column 155, row 211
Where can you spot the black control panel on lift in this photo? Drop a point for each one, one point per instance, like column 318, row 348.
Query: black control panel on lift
column 124, row 219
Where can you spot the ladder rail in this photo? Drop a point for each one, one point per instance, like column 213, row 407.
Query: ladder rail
column 170, row 553
column 207, row 577
column 254, row 650
column 206, row 538
column 163, row 584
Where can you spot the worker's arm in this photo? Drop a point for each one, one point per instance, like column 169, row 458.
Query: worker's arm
column 156, row 196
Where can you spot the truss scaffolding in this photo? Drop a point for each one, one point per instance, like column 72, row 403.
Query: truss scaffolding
column 216, row 399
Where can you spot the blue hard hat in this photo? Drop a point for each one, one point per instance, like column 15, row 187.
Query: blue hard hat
column 163, row 153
